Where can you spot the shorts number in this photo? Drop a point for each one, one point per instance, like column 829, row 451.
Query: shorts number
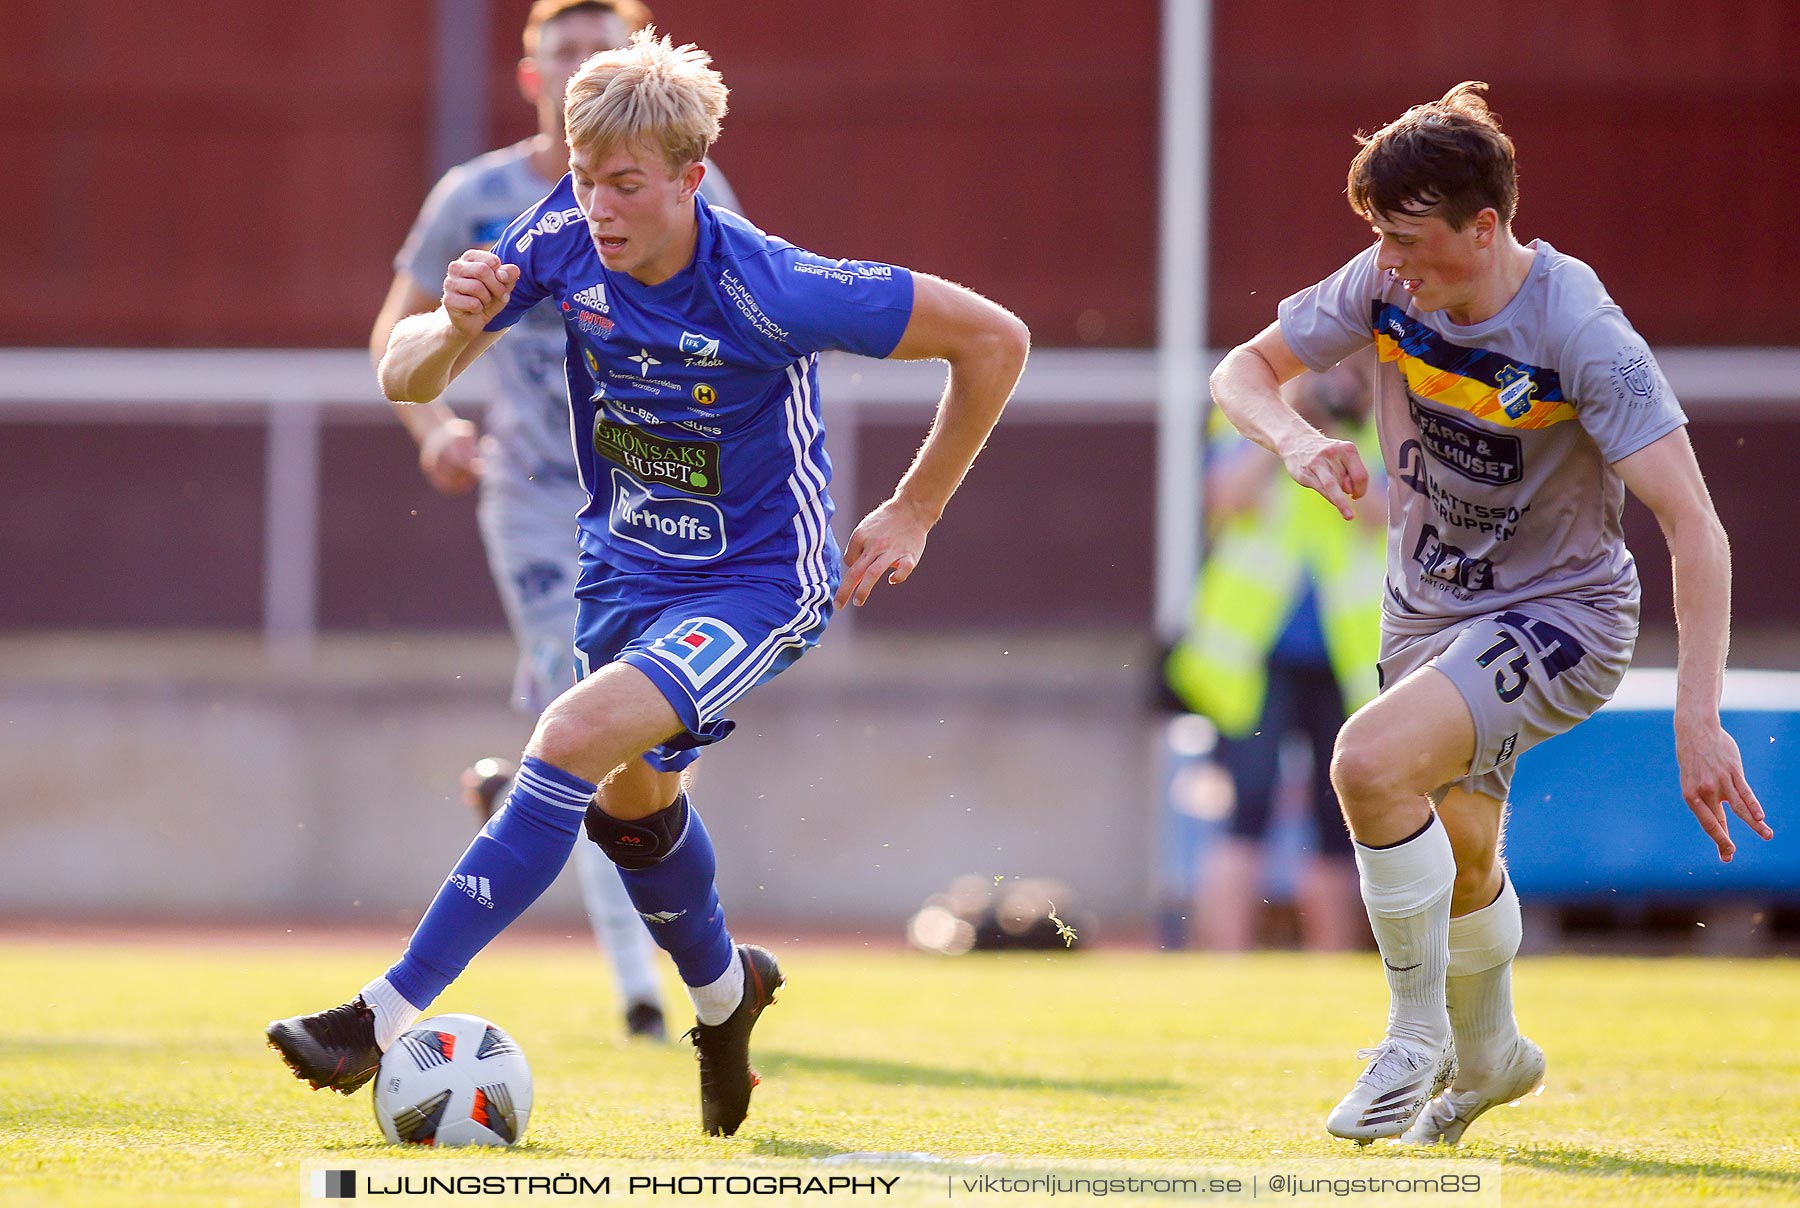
column 1556, row 651
column 1516, row 667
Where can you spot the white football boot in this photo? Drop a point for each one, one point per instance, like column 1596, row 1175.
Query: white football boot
column 1448, row 1115
column 1402, row 1077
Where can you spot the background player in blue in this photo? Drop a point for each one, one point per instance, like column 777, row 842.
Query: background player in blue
column 525, row 464
column 1515, row 406
column 708, row 563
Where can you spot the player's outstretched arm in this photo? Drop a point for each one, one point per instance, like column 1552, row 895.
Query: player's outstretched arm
column 449, row 446
column 986, row 346
column 426, row 352
column 1247, row 387
column 1665, row 475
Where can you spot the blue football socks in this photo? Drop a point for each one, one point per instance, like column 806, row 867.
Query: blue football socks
column 508, row 866
column 678, row 900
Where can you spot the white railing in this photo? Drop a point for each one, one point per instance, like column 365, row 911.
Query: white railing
column 293, row 391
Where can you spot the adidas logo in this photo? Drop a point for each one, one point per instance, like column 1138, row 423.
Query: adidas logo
column 662, row 916
column 476, row 887
column 593, row 297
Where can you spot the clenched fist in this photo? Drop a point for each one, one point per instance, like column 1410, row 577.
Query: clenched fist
column 475, row 289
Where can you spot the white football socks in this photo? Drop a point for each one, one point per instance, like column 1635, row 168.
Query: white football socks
column 715, row 1001
column 393, row 1014
column 1479, row 990
column 1406, row 888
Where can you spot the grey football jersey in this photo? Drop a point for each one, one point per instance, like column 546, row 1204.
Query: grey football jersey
column 469, row 208
column 1499, row 437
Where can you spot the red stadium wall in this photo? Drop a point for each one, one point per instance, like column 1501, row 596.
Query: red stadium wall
column 190, row 173
column 1012, row 148
column 197, row 174
column 1655, row 141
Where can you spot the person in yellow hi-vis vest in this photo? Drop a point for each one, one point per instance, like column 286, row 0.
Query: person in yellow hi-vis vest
column 1283, row 637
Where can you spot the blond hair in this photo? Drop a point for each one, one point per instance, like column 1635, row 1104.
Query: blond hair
column 649, row 91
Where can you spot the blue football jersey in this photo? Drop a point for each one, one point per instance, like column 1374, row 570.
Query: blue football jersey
column 528, row 412
column 694, row 403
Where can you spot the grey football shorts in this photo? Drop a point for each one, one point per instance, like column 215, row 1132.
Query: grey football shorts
column 1528, row 673
column 528, row 528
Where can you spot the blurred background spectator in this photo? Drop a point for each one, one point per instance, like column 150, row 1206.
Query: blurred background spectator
column 1285, row 628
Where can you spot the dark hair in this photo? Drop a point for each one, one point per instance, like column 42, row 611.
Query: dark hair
column 1447, row 157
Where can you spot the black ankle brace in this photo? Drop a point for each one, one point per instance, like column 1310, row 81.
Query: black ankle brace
column 641, row 844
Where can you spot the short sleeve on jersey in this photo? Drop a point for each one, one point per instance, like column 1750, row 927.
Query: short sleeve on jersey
column 537, row 241
column 1325, row 323
column 820, row 304
column 1622, row 399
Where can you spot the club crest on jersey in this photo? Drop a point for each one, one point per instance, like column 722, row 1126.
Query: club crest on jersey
column 1516, row 387
column 1634, row 377
column 695, row 344
column 700, row 648
column 700, row 350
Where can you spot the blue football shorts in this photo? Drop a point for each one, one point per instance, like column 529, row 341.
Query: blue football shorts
column 704, row 641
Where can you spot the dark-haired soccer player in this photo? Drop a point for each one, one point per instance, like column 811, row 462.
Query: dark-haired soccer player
column 708, row 564
column 1515, row 405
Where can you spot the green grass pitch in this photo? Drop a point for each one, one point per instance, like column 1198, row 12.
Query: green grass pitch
column 135, row 1073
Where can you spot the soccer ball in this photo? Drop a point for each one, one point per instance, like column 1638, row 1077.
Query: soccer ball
column 453, row 1080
